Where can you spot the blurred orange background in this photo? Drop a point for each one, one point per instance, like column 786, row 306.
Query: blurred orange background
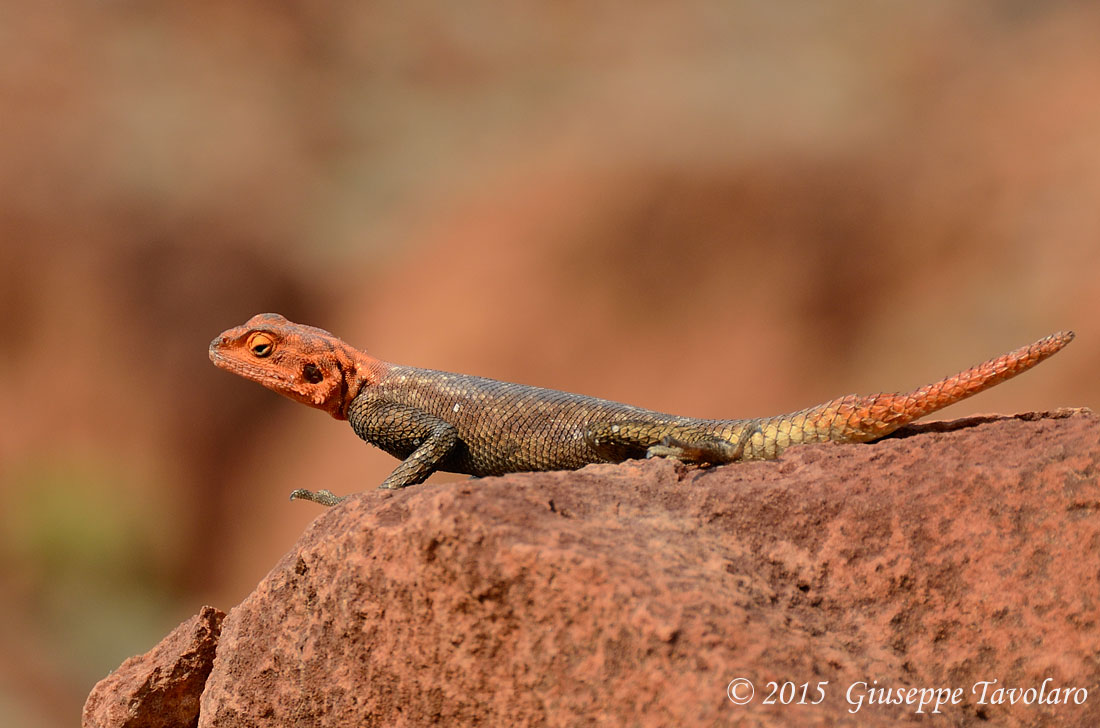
column 714, row 209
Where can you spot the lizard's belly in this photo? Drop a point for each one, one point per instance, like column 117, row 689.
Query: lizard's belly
column 529, row 445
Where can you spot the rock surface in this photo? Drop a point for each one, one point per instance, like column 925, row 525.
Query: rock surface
column 161, row 687
column 634, row 594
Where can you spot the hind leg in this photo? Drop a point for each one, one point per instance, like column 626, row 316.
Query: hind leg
column 711, row 450
column 628, row 440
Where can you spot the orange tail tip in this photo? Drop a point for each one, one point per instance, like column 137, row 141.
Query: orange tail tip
column 895, row 410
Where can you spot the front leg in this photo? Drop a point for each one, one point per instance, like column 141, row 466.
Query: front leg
column 422, row 439
column 425, row 459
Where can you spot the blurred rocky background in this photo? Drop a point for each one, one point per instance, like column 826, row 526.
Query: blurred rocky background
column 712, row 208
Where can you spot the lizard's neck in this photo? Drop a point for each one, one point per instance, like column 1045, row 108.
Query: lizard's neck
column 365, row 371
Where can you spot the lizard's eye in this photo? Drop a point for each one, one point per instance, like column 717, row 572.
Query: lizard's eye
column 312, row 373
column 261, row 345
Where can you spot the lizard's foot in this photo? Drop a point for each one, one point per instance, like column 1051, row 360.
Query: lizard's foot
column 712, row 450
column 628, row 439
column 325, row 497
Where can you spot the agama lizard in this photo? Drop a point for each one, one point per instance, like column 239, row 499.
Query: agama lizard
column 435, row 420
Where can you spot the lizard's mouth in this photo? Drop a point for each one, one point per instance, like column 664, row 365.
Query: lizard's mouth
column 278, row 380
column 273, row 379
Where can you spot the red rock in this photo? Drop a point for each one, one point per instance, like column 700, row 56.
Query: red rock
column 161, row 687
column 634, row 594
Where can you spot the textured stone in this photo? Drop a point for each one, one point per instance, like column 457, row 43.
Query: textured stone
column 634, row 594
column 161, row 687
column 952, row 554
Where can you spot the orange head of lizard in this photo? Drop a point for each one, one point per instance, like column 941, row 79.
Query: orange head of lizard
column 306, row 364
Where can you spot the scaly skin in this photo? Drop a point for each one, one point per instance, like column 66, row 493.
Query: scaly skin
column 459, row 423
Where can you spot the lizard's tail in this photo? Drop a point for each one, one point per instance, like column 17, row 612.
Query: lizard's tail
column 874, row 416
column 858, row 418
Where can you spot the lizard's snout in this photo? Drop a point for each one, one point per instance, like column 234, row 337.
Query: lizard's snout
column 216, row 345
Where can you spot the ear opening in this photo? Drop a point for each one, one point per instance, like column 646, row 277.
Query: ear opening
column 312, row 373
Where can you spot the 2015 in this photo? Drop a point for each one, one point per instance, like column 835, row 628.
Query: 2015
column 788, row 691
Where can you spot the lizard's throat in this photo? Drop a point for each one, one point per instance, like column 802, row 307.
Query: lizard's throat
column 328, row 396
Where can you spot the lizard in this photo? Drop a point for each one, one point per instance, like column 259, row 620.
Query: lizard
column 436, row 420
